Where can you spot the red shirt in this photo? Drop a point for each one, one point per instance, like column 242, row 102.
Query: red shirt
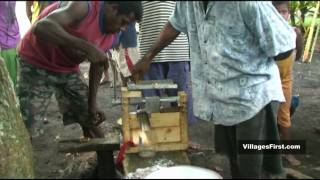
column 48, row 56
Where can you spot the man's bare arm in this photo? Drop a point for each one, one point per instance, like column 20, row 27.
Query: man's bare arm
column 43, row 5
column 52, row 29
column 299, row 44
column 166, row 36
column 95, row 75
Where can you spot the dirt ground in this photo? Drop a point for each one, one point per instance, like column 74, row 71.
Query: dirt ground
column 51, row 164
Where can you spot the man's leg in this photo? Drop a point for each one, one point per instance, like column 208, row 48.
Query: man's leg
column 272, row 163
column 251, row 165
column 261, row 127
column 105, row 79
column 34, row 92
column 73, row 103
column 225, row 143
column 284, row 115
column 72, row 97
column 179, row 72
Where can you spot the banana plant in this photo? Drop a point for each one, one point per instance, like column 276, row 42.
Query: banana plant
column 299, row 10
column 305, row 7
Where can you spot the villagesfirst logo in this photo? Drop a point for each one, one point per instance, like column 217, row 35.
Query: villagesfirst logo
column 271, row 147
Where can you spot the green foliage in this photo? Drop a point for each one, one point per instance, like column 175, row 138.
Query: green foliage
column 299, row 10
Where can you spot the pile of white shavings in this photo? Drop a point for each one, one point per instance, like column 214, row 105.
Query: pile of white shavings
column 141, row 173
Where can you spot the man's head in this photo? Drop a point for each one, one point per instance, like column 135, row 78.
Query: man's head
column 120, row 13
column 283, row 8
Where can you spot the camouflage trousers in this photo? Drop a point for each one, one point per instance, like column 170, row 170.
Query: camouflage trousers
column 35, row 89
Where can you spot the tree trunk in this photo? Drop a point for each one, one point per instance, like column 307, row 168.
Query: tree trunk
column 16, row 159
column 303, row 17
column 293, row 18
column 303, row 11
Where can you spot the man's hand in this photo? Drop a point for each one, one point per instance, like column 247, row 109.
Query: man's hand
column 166, row 36
column 97, row 117
column 141, row 68
column 92, row 130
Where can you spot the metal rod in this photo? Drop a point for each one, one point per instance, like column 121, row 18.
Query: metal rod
column 135, row 101
column 155, row 84
column 114, row 80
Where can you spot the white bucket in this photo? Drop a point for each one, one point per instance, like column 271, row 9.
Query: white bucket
column 184, row 172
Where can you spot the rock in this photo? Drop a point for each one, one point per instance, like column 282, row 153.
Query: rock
column 317, row 168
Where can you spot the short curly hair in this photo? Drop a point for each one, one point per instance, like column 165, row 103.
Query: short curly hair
column 278, row 3
column 126, row 7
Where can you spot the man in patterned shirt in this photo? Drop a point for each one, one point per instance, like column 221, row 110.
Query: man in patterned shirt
column 235, row 80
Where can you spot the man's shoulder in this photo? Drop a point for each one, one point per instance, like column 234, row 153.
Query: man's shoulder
column 157, row 4
column 253, row 9
column 252, row 5
column 297, row 30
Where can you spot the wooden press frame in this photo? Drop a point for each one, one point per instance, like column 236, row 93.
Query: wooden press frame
column 177, row 121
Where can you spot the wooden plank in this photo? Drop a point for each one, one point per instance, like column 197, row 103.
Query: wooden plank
column 171, row 147
column 164, row 135
column 165, row 119
column 168, row 134
column 162, row 147
column 134, row 94
column 132, row 162
column 97, row 144
column 133, row 120
column 169, row 109
column 184, row 117
column 125, row 115
column 157, row 120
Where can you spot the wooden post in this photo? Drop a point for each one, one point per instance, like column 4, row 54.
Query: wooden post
column 309, row 40
column 314, row 43
column 125, row 115
column 184, row 117
column 106, row 168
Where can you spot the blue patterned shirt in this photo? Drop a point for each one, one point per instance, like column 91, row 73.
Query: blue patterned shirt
column 232, row 45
